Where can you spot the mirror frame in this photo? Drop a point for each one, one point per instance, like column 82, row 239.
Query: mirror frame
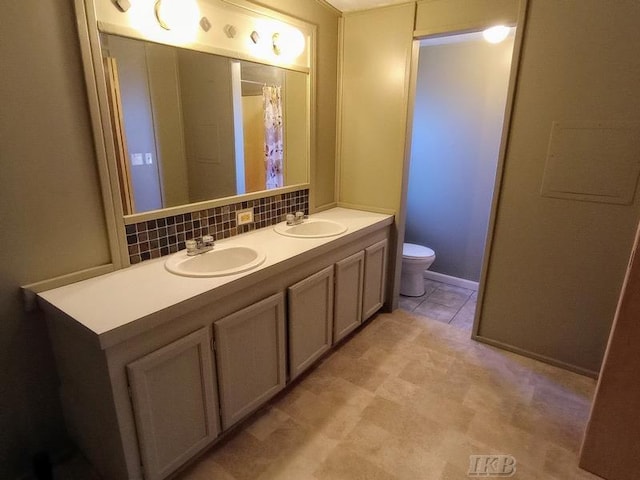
column 105, row 16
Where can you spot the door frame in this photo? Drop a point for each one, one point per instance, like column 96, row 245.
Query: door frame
column 504, row 145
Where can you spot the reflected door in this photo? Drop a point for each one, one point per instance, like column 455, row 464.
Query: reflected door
column 137, row 115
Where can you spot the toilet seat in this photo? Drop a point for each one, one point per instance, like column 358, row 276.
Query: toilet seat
column 411, row 251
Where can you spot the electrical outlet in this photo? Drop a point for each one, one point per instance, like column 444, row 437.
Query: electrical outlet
column 244, row 216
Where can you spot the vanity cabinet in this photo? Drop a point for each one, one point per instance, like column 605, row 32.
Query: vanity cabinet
column 250, row 354
column 174, row 402
column 310, row 320
column 375, row 274
column 347, row 314
column 144, row 397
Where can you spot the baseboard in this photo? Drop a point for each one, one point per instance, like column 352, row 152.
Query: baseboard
column 536, row 356
column 458, row 282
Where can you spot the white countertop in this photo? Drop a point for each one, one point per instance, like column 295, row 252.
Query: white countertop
column 108, row 302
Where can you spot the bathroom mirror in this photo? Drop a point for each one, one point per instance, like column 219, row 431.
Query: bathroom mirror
column 191, row 126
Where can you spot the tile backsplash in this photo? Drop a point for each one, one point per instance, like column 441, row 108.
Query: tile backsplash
column 162, row 236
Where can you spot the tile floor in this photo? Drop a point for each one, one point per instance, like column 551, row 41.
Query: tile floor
column 411, row 398
column 444, row 303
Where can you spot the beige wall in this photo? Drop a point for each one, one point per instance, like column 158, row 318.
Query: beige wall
column 374, row 83
column 375, row 86
column 326, row 19
column 557, row 265
column 296, row 115
column 50, row 203
column 50, row 210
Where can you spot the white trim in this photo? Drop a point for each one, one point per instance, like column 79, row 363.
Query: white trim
column 449, row 280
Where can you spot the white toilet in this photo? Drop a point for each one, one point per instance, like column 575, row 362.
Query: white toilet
column 415, row 260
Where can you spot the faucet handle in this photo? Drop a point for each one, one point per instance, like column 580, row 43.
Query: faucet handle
column 191, row 245
column 299, row 215
column 207, row 240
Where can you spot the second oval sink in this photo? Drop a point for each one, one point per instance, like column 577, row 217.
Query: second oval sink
column 311, row 228
column 222, row 260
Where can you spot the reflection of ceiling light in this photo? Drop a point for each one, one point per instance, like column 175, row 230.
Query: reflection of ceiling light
column 177, row 14
column 496, row 34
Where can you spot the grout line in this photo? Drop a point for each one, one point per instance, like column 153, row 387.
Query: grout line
column 462, row 308
column 427, row 296
column 457, row 312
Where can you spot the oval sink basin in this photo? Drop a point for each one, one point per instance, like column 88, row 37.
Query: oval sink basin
column 222, row 260
column 311, row 228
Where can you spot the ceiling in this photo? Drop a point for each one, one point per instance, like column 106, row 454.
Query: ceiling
column 352, row 5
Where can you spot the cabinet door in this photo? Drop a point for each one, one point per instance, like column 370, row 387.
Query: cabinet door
column 310, row 320
column 250, row 353
column 174, row 402
column 348, row 295
column 375, row 275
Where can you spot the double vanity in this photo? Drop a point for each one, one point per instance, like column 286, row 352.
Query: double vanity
column 155, row 366
column 159, row 360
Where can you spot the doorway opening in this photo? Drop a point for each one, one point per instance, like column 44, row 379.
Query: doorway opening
column 460, row 101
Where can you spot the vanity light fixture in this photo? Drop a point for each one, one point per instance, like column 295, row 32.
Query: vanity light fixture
column 230, row 31
column 288, row 43
column 255, row 37
column 123, row 5
column 295, row 43
column 177, row 14
column 205, row 24
column 496, row 34
column 160, row 16
column 275, row 39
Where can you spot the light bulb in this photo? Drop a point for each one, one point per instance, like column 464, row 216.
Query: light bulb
column 182, row 15
column 289, row 43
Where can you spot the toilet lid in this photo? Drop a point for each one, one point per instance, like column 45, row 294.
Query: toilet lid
column 411, row 250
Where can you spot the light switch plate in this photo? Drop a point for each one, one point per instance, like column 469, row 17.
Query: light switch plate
column 244, row 216
column 136, row 159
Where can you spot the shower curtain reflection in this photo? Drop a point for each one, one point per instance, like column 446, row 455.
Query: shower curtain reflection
column 273, row 136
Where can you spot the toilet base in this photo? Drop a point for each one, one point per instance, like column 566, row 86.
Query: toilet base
column 412, row 284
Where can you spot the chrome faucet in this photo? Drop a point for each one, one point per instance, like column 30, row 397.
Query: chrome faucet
column 199, row 245
column 295, row 219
